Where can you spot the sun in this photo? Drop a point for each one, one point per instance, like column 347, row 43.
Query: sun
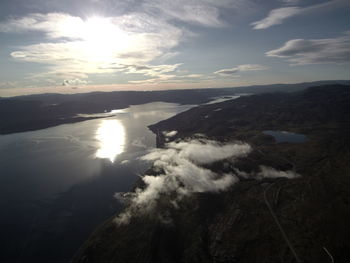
column 99, row 29
column 102, row 40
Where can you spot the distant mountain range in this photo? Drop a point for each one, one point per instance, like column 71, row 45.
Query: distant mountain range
column 32, row 112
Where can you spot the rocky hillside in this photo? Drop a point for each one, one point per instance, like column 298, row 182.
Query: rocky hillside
column 304, row 219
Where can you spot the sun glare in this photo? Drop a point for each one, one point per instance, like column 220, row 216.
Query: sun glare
column 111, row 136
column 101, row 39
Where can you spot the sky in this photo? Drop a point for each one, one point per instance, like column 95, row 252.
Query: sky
column 69, row 46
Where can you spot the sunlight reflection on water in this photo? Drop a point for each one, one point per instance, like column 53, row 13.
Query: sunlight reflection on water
column 111, row 137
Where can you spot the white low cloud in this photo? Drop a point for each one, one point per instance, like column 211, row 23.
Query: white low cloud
column 182, row 169
column 181, row 172
column 169, row 133
column 315, row 51
column 266, row 172
column 207, row 152
column 240, row 68
column 269, row 172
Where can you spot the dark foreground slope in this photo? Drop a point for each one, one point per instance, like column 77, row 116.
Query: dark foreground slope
column 237, row 225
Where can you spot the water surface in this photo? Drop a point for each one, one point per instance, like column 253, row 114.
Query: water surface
column 57, row 184
column 285, row 136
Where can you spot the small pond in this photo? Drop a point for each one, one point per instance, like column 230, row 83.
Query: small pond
column 285, row 136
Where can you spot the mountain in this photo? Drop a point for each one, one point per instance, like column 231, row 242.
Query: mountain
column 33, row 112
column 266, row 219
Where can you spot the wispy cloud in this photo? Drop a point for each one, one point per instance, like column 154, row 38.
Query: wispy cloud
column 276, row 17
column 240, row 68
column 161, row 77
column 315, row 51
column 192, row 11
column 279, row 15
column 199, row 12
column 291, row 2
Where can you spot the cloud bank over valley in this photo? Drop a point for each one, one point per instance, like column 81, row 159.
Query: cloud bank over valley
column 185, row 167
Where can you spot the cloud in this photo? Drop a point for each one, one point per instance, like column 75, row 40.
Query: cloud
column 139, row 142
column 125, row 162
column 135, row 37
column 268, row 172
column 54, row 25
column 290, row 2
column 8, row 85
column 150, row 70
column 74, row 82
column 279, row 15
column 181, row 173
column 183, row 168
column 171, row 78
column 276, row 17
column 161, row 78
column 169, row 133
column 199, row 12
column 193, row 76
column 206, row 151
column 96, row 45
column 240, row 68
column 315, row 51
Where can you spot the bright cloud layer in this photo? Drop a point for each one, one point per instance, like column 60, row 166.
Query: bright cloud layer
column 96, row 45
column 55, row 46
column 73, row 48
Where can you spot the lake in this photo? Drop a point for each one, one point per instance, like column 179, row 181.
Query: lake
column 285, row 136
column 57, row 184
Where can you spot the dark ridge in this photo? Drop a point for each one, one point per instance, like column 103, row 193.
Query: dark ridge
column 237, row 225
column 32, row 112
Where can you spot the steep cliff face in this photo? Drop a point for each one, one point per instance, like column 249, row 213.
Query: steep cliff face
column 304, row 219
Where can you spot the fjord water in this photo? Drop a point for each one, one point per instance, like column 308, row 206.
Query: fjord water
column 57, row 184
